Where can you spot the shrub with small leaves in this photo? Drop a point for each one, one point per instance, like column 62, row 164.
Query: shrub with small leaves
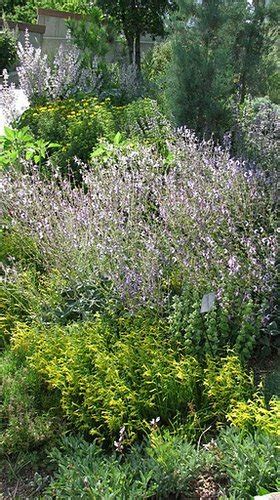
column 78, row 125
column 175, row 463
column 257, row 414
column 227, row 383
column 8, row 49
column 85, row 470
column 166, row 464
column 251, row 461
column 28, row 411
column 110, row 375
column 259, row 133
column 237, row 465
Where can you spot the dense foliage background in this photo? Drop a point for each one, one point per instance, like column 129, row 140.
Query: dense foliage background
column 139, row 293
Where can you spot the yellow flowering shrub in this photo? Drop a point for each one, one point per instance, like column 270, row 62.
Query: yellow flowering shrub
column 226, row 382
column 127, row 372
column 75, row 124
column 255, row 413
column 112, row 376
column 78, row 125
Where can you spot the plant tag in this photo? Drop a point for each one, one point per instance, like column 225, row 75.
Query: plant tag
column 207, row 303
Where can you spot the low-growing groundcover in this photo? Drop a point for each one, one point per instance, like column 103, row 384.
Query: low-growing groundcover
column 168, row 465
column 236, row 462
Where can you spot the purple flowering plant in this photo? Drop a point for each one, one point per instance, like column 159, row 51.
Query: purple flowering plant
column 40, row 78
column 159, row 237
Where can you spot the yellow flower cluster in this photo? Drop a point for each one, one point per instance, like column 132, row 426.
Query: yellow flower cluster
column 71, row 110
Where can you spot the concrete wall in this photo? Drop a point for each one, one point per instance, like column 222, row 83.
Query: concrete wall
column 56, row 32
column 55, row 28
column 51, row 31
column 36, row 31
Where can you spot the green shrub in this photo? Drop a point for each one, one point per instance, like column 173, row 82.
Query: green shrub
column 175, row 463
column 256, row 414
column 226, row 383
column 85, row 471
column 20, row 266
column 155, row 67
column 237, row 465
column 31, row 292
column 272, row 382
column 113, row 375
column 251, row 462
column 124, row 372
column 19, row 145
column 8, row 49
column 26, row 289
column 90, row 35
column 221, row 53
column 258, row 124
column 142, row 118
column 28, row 296
column 78, row 125
column 210, row 333
column 166, row 465
column 156, row 61
column 28, row 411
column 19, row 299
column 14, row 247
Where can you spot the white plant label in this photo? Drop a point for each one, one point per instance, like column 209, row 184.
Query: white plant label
column 207, row 303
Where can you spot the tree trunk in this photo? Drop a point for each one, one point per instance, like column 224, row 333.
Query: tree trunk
column 138, row 52
column 242, row 87
column 130, row 47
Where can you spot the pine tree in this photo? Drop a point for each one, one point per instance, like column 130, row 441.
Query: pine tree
column 218, row 47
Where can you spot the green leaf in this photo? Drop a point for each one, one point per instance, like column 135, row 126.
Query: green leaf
column 25, row 137
column 9, row 133
column 262, row 491
column 29, row 154
column 25, row 130
column 117, row 138
column 98, row 152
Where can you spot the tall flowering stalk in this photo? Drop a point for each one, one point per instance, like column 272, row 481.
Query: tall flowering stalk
column 68, row 74
column 130, row 83
column 8, row 99
column 34, row 71
column 65, row 71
